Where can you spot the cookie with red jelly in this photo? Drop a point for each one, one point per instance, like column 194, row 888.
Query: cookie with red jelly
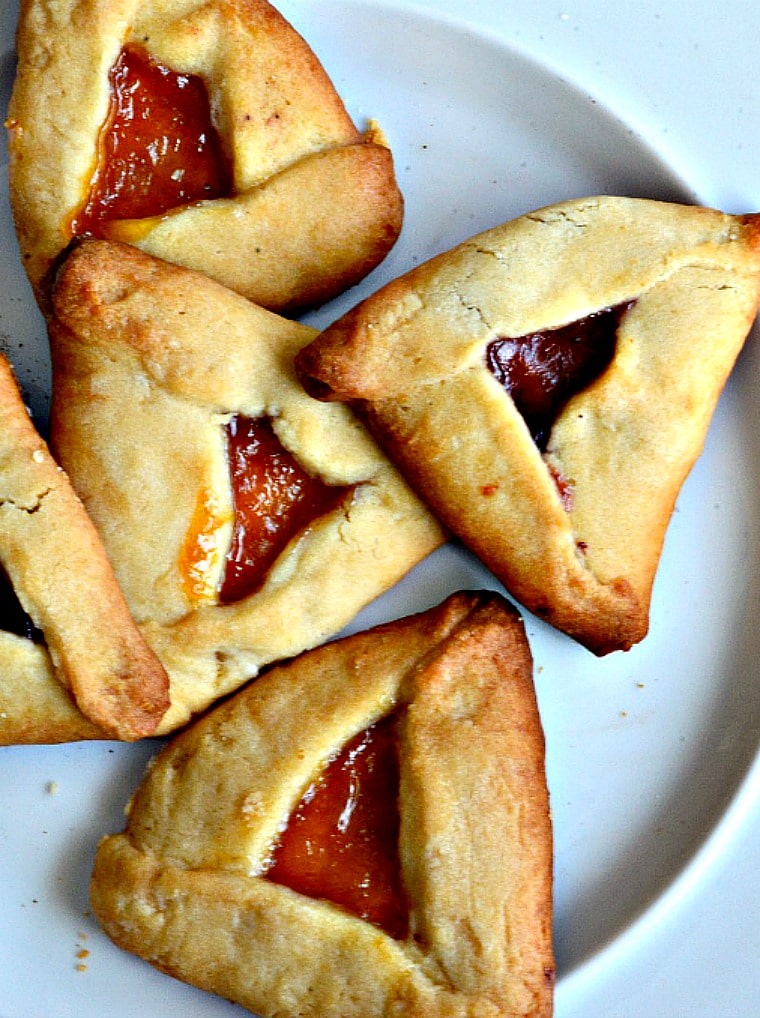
column 362, row 832
column 73, row 664
column 246, row 522
column 547, row 386
column 205, row 133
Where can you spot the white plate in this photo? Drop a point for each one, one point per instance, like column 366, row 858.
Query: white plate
column 493, row 109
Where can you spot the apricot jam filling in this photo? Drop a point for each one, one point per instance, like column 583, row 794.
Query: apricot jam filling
column 201, row 551
column 158, row 148
column 341, row 842
column 274, row 500
column 542, row 370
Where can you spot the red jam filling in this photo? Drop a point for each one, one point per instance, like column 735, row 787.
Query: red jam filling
column 158, row 147
column 541, row 371
column 274, row 500
column 341, row 843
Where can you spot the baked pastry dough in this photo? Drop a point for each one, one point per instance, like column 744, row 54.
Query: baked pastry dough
column 574, row 529
column 312, row 203
column 151, row 362
column 86, row 672
column 185, row 885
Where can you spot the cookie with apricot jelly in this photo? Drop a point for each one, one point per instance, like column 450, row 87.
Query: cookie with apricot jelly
column 73, row 664
column 547, row 386
column 245, row 521
column 362, row 832
column 206, row 133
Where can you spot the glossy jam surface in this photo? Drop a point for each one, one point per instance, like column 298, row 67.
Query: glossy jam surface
column 13, row 618
column 200, row 550
column 341, row 843
column 543, row 370
column 158, row 148
column 274, row 500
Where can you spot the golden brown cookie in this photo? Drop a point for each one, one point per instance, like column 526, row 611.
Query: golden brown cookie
column 72, row 662
column 443, row 702
column 204, row 132
column 245, row 521
column 547, row 385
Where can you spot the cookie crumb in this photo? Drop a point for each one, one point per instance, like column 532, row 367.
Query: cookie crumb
column 81, row 952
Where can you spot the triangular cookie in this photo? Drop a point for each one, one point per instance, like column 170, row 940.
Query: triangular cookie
column 564, row 493
column 72, row 662
column 156, row 372
column 256, row 174
column 190, row 885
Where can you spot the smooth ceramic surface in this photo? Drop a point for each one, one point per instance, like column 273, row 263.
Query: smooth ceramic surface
column 494, row 108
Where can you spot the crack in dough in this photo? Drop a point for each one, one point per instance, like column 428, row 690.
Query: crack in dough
column 33, row 507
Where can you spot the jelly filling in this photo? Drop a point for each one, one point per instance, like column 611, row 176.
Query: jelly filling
column 341, row 842
column 274, row 500
column 13, row 618
column 542, row 370
column 158, row 148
